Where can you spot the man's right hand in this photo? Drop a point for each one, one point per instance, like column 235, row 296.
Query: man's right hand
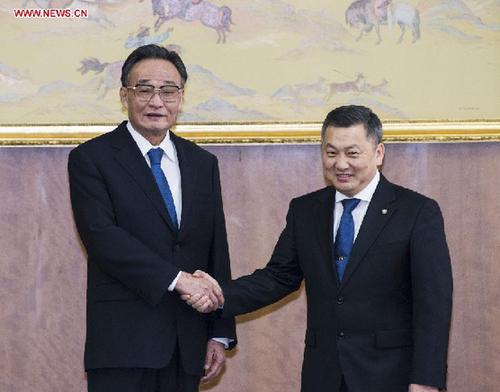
column 200, row 290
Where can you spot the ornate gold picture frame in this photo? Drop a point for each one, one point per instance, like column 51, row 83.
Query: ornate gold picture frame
column 444, row 131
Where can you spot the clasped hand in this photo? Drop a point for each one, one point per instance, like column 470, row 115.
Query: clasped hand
column 200, row 291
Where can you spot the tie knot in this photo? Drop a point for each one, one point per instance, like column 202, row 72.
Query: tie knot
column 155, row 155
column 350, row 204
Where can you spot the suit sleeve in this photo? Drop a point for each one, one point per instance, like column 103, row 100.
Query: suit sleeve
column 219, row 265
column 280, row 277
column 432, row 297
column 110, row 247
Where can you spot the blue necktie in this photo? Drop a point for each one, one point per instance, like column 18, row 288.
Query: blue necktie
column 345, row 236
column 155, row 155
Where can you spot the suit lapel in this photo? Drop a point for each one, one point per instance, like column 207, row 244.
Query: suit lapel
column 130, row 158
column 187, row 165
column 378, row 214
column 324, row 217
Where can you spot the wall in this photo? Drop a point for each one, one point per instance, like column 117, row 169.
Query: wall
column 42, row 265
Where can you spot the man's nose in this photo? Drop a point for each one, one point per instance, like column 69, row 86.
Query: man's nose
column 341, row 162
column 155, row 99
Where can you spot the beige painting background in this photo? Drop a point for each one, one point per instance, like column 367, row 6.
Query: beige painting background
column 282, row 61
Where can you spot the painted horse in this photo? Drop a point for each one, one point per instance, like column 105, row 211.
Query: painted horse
column 208, row 14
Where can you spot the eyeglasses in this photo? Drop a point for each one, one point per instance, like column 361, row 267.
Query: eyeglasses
column 145, row 92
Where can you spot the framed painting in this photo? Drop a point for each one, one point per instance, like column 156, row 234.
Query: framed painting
column 260, row 70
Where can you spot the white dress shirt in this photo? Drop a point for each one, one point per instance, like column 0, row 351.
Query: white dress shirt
column 358, row 214
column 169, row 164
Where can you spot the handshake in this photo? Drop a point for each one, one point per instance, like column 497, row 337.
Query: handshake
column 200, row 291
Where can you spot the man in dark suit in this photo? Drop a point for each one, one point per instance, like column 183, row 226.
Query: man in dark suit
column 376, row 267
column 148, row 208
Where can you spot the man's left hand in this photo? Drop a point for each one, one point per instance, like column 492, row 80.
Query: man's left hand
column 214, row 361
column 422, row 388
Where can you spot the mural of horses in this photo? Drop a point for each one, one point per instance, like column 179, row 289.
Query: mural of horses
column 208, row 14
column 361, row 15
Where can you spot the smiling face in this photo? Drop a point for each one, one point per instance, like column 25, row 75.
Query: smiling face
column 350, row 158
column 152, row 118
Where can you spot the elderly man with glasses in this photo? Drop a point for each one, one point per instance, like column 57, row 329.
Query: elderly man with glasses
column 148, row 208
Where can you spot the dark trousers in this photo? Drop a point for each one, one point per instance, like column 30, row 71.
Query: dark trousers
column 171, row 378
column 343, row 386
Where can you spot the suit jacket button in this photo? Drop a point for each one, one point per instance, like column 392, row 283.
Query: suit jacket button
column 340, row 300
column 341, row 335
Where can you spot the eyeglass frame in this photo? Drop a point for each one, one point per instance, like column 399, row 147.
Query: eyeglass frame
column 156, row 90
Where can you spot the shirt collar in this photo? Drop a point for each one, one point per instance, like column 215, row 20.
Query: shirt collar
column 144, row 145
column 366, row 194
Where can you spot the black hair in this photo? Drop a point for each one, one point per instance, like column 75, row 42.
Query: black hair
column 153, row 52
column 347, row 116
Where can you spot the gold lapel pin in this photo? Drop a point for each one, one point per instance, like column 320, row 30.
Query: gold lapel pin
column 384, row 211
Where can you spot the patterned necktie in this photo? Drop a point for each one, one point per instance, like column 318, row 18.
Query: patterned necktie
column 155, row 155
column 345, row 236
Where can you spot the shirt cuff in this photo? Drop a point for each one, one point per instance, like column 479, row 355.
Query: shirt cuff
column 174, row 282
column 224, row 341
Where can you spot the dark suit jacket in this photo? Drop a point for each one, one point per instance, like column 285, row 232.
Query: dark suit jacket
column 134, row 252
column 387, row 324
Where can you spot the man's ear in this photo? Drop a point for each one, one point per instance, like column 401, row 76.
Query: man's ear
column 124, row 97
column 379, row 153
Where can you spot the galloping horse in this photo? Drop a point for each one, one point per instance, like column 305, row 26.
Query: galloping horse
column 210, row 15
